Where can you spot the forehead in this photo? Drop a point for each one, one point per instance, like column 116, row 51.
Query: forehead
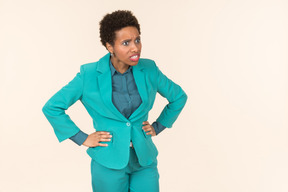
column 127, row 33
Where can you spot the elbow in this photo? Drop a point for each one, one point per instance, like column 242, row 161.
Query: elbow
column 46, row 108
column 181, row 98
column 184, row 98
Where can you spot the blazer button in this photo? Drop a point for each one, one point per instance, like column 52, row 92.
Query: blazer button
column 128, row 124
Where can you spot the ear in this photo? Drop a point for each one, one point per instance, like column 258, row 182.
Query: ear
column 109, row 47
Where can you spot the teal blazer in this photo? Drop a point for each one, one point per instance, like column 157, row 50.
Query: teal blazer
column 93, row 87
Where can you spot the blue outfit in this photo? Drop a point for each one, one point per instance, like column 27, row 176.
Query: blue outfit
column 132, row 178
column 125, row 97
column 122, row 167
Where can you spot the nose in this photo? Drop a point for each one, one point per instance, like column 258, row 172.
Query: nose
column 135, row 48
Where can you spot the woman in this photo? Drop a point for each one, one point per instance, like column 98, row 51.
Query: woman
column 118, row 91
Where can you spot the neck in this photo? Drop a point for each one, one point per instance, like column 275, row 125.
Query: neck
column 118, row 65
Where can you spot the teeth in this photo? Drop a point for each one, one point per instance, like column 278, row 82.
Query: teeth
column 134, row 57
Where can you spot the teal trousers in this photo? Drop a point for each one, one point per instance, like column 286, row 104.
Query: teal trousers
column 132, row 178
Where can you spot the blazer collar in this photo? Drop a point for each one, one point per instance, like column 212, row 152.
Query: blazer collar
column 103, row 64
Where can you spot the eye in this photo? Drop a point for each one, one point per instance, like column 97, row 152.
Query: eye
column 125, row 43
column 137, row 40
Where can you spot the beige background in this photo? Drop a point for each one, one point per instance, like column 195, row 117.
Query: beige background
column 229, row 56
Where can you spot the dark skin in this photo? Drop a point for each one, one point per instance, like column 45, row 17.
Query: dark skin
column 124, row 53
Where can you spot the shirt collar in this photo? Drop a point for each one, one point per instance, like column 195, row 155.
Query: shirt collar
column 113, row 70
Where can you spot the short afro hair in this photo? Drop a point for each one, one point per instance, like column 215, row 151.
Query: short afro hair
column 114, row 22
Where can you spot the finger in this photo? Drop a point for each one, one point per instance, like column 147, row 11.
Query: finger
column 146, row 126
column 153, row 133
column 102, row 144
column 149, row 133
column 103, row 133
column 103, row 139
column 145, row 123
column 105, row 136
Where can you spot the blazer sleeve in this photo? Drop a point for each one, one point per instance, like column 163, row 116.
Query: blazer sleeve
column 174, row 94
column 55, row 107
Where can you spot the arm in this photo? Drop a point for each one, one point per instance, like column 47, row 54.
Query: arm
column 63, row 126
column 176, row 97
column 55, row 107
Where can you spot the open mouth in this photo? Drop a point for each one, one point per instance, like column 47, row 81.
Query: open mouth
column 135, row 57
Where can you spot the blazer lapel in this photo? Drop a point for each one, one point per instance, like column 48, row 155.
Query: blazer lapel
column 139, row 76
column 105, row 85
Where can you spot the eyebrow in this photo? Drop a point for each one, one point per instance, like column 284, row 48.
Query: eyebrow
column 128, row 40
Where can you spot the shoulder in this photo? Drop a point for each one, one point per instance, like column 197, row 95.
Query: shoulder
column 89, row 70
column 89, row 66
column 147, row 64
column 97, row 67
column 94, row 67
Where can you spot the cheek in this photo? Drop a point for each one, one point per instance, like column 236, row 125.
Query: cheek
column 122, row 52
column 119, row 54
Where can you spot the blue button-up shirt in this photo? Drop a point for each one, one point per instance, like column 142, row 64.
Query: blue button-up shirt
column 125, row 97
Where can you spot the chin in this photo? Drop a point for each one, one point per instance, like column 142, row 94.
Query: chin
column 133, row 63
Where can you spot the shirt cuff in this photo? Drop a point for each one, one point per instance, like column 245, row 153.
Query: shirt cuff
column 158, row 127
column 79, row 137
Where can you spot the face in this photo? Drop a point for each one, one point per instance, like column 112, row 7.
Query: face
column 127, row 47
